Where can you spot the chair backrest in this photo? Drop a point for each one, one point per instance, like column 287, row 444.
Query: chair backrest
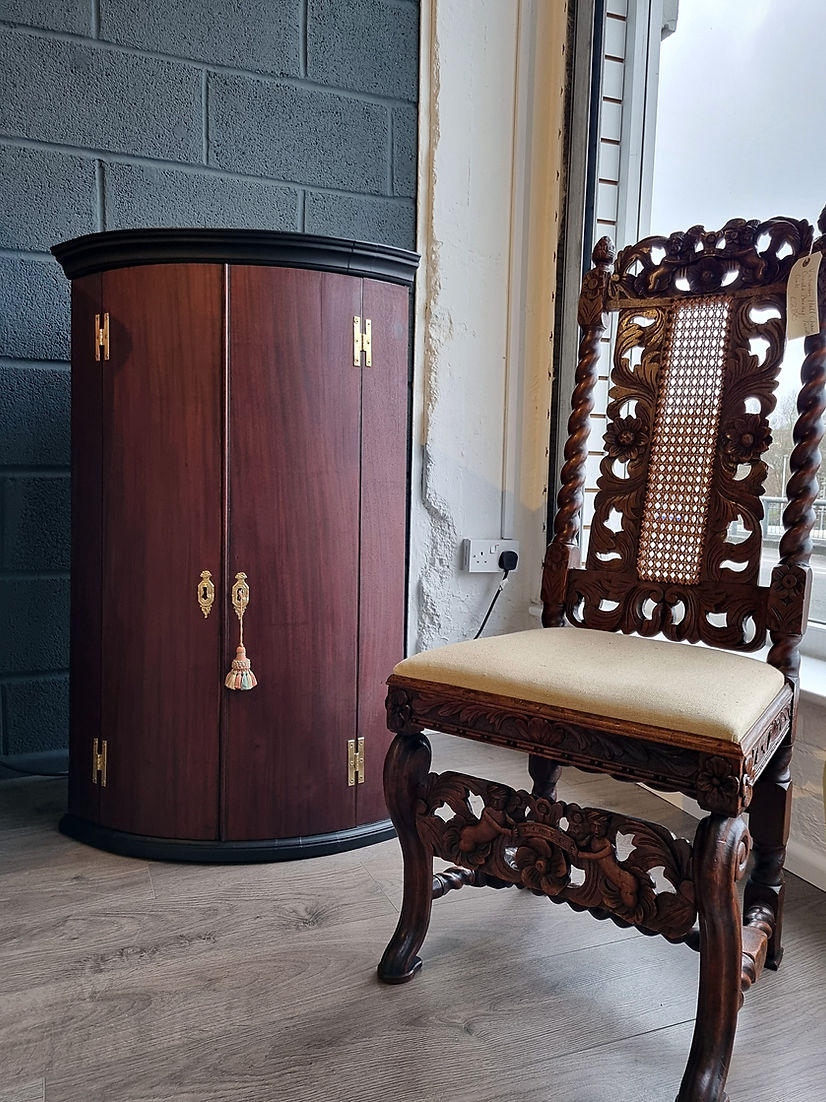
column 675, row 543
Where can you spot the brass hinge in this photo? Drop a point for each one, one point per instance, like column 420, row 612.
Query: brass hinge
column 355, row 761
column 362, row 342
column 100, row 749
column 102, row 337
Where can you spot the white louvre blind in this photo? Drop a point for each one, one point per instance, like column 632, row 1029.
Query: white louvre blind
column 625, row 156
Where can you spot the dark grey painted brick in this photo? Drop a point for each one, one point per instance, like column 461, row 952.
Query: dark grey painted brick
column 34, row 309
column 98, row 98
column 45, row 197
column 34, row 625
column 37, row 715
column 371, row 46
column 34, row 417
column 56, row 15
column 35, row 523
column 405, row 150
column 255, row 35
column 138, row 195
column 298, row 134
column 362, row 217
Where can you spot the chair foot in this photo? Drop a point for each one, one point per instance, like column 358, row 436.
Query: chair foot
column 386, row 973
column 723, row 1098
column 773, row 963
column 405, row 773
column 721, row 848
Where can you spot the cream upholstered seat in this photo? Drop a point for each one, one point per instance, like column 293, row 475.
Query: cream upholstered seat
column 664, row 685
column 675, row 550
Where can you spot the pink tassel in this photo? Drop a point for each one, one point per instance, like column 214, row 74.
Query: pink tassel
column 240, row 676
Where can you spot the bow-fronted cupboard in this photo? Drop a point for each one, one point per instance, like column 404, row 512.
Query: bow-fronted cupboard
column 239, row 408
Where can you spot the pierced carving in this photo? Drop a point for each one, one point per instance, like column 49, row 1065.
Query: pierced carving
column 537, row 843
column 679, row 612
column 687, row 425
column 709, row 261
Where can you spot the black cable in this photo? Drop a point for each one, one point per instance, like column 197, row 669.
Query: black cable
column 507, row 562
column 492, row 603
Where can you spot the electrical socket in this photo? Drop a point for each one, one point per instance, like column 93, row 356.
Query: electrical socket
column 483, row 555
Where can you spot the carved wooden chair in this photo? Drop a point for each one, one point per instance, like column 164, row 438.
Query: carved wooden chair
column 675, row 551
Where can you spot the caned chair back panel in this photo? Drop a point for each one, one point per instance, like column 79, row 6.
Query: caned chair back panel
column 675, row 544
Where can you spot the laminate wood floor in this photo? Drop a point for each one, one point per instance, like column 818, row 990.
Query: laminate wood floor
column 128, row 981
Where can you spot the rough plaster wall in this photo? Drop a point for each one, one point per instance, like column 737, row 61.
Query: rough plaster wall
column 479, row 399
column 287, row 115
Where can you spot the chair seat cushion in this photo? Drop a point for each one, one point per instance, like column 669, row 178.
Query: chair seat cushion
column 681, row 688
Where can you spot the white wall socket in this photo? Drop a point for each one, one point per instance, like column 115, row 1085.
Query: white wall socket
column 483, row 555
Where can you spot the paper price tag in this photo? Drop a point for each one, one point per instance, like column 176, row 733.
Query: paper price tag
column 802, row 315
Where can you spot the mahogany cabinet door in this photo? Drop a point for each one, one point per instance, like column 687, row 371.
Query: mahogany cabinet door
column 85, row 660
column 382, row 560
column 161, row 675
column 294, row 459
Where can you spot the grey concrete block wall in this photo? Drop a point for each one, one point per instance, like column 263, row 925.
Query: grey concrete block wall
column 294, row 115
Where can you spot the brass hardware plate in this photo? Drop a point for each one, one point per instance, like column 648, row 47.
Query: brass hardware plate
column 102, row 337
column 206, row 593
column 362, row 342
column 240, row 594
column 366, row 342
column 355, row 762
column 100, row 755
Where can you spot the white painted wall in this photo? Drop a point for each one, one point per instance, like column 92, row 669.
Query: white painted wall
column 490, row 110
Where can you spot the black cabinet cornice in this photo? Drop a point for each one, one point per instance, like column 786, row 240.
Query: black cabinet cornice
column 98, row 252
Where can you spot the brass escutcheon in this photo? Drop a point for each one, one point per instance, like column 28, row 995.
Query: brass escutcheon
column 206, row 592
column 240, row 594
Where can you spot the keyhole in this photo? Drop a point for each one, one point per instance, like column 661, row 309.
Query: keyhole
column 204, row 593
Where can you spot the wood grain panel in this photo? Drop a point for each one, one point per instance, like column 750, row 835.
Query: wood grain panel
column 382, row 561
column 85, row 657
column 293, row 521
column 162, row 515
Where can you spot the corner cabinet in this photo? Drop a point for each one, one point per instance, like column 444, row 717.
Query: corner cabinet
column 239, row 406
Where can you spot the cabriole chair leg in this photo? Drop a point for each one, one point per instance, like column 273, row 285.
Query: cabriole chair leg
column 405, row 772
column 721, row 849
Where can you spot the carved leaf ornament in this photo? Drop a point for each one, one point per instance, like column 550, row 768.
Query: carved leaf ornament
column 538, row 843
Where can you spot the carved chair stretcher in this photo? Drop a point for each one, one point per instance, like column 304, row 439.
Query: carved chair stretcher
column 675, row 551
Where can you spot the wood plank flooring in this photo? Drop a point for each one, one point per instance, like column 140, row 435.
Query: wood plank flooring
column 128, row 981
